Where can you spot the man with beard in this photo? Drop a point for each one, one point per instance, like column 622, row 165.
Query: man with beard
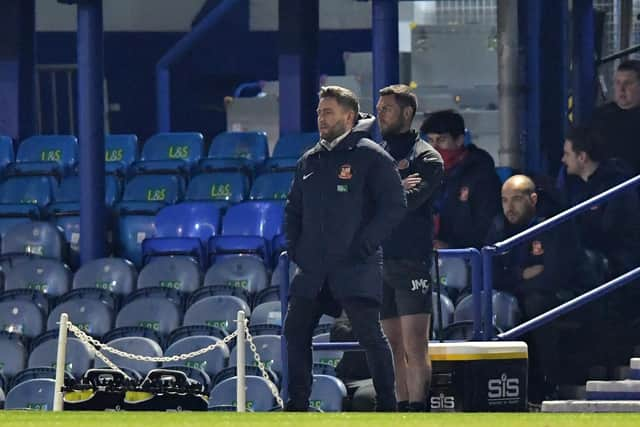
column 406, row 298
column 345, row 199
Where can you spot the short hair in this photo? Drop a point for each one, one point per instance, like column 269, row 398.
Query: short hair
column 587, row 139
column 630, row 65
column 444, row 121
column 403, row 96
column 343, row 96
column 523, row 183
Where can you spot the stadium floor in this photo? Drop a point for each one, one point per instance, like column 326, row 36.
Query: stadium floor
column 219, row 419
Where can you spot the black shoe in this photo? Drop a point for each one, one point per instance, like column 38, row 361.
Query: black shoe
column 417, row 407
column 403, row 406
column 292, row 406
column 386, row 405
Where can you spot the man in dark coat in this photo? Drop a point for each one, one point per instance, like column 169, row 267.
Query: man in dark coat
column 345, row 199
column 406, row 300
column 470, row 195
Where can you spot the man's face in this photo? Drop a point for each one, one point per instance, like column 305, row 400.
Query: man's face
column 518, row 206
column 571, row 159
column 444, row 141
column 627, row 89
column 333, row 119
column 390, row 116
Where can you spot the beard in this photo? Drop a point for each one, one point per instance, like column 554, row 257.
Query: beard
column 338, row 129
column 393, row 129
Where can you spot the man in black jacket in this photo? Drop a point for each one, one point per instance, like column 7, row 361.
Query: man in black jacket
column 345, row 199
column 406, row 298
column 470, row 195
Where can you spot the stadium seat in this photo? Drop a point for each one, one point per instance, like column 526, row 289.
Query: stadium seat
column 46, row 155
column 270, row 351
column 211, row 362
column 183, row 229
column 35, row 394
column 38, row 373
column 327, row 393
column 170, row 152
column 295, row 144
column 220, row 311
column 13, row 354
column 153, row 312
column 244, row 149
column 232, row 187
column 21, row 316
column 178, row 273
column 328, row 357
column 454, row 275
column 48, row 276
column 271, row 186
column 258, row 395
column 89, row 313
column 271, row 293
column 279, row 272
column 268, row 313
column 34, row 238
column 506, row 311
column 249, row 227
column 244, row 271
column 447, row 311
column 115, row 275
column 120, row 152
column 135, row 345
column 6, row 152
column 79, row 358
column 23, row 198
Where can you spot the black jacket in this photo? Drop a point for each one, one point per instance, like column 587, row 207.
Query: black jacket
column 613, row 227
column 621, row 130
column 557, row 250
column 413, row 237
column 342, row 204
column 469, row 200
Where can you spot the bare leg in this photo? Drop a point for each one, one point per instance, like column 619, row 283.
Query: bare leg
column 393, row 330
column 418, row 369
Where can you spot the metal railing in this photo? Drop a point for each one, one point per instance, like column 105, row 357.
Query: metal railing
column 488, row 252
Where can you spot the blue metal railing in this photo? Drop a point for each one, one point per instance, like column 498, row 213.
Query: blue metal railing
column 488, row 252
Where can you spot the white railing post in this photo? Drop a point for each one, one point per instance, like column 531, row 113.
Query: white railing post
column 241, row 396
column 58, row 402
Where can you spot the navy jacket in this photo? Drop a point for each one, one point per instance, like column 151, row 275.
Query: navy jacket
column 469, row 200
column 342, row 204
column 620, row 129
column 413, row 237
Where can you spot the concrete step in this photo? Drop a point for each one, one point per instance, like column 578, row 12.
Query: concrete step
column 613, row 390
column 590, row 406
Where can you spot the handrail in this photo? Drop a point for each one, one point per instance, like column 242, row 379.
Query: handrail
column 500, row 247
column 618, row 55
column 163, row 78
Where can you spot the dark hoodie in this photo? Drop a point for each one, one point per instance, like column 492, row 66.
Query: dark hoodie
column 621, row 130
column 613, row 227
column 342, row 204
column 468, row 201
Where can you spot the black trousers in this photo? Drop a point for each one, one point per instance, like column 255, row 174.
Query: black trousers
column 302, row 318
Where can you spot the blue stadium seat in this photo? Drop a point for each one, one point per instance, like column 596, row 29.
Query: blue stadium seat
column 258, row 397
column 220, row 311
column 267, row 313
column 289, row 148
column 211, row 362
column 279, row 272
column 23, row 198
column 249, row 227
column 447, row 307
column 48, row 276
column 237, row 150
column 38, row 373
column 244, row 271
column 34, row 238
column 170, row 152
column 79, row 358
column 135, row 345
column 506, row 311
column 35, row 394
column 13, row 354
column 120, row 152
column 270, row 186
column 115, row 275
column 181, row 274
column 327, row 393
column 153, row 312
column 454, row 275
column 183, row 229
column 132, row 230
column 149, row 193
column 269, row 348
column 90, row 314
column 46, row 155
column 327, row 357
column 232, row 187
column 22, row 317
column 271, row 293
column 6, row 152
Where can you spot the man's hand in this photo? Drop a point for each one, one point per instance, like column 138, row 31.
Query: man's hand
column 531, row 272
column 439, row 244
column 411, row 181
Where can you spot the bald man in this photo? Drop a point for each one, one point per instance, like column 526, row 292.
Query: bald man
column 538, row 272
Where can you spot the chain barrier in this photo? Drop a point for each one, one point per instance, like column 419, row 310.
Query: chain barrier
column 265, row 375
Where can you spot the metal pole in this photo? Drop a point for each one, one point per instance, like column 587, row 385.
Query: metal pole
column 284, row 293
column 241, row 396
column 385, row 49
column 58, row 397
column 508, row 87
column 487, row 274
column 584, row 71
column 91, row 130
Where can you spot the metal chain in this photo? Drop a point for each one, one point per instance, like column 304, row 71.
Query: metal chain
column 178, row 357
column 256, row 357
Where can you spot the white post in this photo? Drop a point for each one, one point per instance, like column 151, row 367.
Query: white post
column 241, row 397
column 60, row 363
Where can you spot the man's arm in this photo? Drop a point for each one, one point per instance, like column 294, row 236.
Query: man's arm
column 430, row 170
column 293, row 214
